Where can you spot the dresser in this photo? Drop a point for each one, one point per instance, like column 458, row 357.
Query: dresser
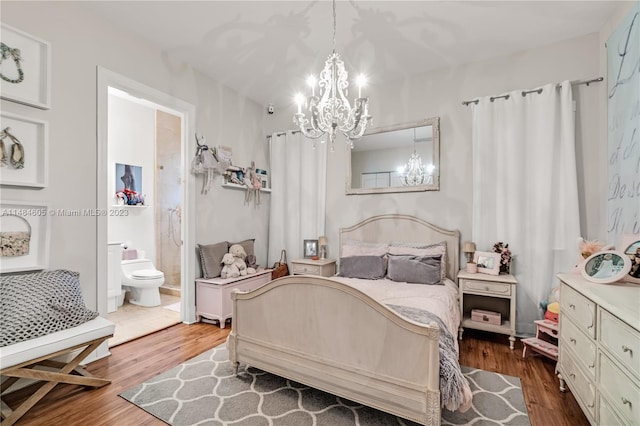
column 213, row 296
column 321, row 267
column 495, row 293
column 599, row 348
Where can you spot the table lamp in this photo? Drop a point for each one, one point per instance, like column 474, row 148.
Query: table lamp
column 469, row 248
column 322, row 242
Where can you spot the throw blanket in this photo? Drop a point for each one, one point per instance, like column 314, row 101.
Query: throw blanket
column 36, row 304
column 454, row 388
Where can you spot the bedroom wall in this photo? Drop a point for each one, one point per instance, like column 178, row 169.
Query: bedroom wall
column 81, row 41
column 440, row 93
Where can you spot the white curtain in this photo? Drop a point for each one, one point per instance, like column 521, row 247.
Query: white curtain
column 298, row 193
column 525, row 189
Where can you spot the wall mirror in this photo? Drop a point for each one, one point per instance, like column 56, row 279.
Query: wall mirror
column 398, row 158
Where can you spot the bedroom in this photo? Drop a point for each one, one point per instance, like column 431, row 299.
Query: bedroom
column 86, row 40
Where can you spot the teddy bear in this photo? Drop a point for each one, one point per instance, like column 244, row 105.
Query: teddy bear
column 586, row 249
column 237, row 251
column 229, row 270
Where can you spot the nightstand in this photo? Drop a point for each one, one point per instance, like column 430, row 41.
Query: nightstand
column 495, row 293
column 322, row 267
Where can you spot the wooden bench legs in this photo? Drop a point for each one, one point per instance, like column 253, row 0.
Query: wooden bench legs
column 69, row 372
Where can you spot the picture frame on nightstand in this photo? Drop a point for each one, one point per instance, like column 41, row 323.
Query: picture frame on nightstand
column 310, row 248
column 488, row 263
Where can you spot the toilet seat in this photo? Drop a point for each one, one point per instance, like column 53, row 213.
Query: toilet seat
column 147, row 274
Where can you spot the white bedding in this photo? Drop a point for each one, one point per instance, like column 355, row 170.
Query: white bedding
column 441, row 300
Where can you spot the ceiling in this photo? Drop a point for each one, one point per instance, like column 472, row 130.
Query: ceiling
column 266, row 49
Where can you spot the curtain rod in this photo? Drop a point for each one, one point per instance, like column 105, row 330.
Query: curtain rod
column 283, row 133
column 526, row 92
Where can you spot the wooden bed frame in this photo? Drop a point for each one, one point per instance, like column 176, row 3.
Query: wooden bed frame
column 327, row 335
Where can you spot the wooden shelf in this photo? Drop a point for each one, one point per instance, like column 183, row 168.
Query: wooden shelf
column 236, row 186
column 130, row 206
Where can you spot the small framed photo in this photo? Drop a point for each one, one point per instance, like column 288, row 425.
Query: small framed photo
column 26, row 68
column 310, row 248
column 606, row 267
column 630, row 246
column 488, row 263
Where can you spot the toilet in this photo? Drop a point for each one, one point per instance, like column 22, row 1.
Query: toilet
column 143, row 281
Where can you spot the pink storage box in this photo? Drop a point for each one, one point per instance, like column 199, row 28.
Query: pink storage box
column 488, row 317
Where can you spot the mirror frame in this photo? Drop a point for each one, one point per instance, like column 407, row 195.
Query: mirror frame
column 435, row 186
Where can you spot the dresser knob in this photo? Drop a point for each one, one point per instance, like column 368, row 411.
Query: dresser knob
column 572, row 306
column 592, row 365
column 572, row 340
column 573, row 376
column 626, row 401
column 627, row 349
column 486, row 288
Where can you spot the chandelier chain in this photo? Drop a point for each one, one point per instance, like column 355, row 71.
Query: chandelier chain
column 334, row 26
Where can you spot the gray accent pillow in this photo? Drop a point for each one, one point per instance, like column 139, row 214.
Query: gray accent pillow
column 211, row 258
column 367, row 267
column 247, row 245
column 36, row 304
column 415, row 269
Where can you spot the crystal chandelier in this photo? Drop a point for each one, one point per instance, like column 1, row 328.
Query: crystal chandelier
column 413, row 173
column 330, row 111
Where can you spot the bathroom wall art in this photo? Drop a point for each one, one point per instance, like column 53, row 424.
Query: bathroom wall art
column 25, row 68
column 24, row 151
column 129, row 184
column 24, row 236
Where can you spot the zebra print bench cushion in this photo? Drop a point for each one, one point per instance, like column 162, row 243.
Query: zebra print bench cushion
column 40, row 303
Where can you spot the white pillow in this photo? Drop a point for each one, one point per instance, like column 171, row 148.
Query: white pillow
column 353, row 248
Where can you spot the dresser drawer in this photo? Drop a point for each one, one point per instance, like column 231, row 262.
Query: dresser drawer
column 607, row 415
column 487, row 287
column 577, row 342
column 580, row 384
column 620, row 390
column 580, row 309
column 300, row 268
column 621, row 340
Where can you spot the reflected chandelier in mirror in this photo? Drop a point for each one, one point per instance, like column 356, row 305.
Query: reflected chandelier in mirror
column 399, row 158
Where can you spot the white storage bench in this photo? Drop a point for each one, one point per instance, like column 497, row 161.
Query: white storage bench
column 46, row 332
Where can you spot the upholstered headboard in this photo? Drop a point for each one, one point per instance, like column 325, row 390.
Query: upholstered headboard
column 407, row 229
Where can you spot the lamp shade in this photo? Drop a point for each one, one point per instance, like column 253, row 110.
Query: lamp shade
column 469, row 247
column 322, row 241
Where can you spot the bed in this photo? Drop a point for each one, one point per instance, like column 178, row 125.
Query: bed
column 346, row 337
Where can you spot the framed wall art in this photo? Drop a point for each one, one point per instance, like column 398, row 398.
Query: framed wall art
column 24, row 236
column 488, row 263
column 25, row 70
column 606, row 267
column 24, row 151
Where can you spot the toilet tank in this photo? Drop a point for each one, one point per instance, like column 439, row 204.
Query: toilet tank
column 130, row 266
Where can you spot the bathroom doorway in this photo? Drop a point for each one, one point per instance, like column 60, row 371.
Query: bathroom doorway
column 147, row 131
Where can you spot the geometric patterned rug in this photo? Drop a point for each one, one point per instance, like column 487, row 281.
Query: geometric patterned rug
column 204, row 391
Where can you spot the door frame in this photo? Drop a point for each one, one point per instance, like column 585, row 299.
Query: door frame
column 106, row 79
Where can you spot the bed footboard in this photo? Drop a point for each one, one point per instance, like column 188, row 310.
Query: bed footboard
column 327, row 335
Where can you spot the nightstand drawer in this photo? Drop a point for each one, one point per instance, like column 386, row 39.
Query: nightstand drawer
column 497, row 289
column 621, row 340
column 302, row 269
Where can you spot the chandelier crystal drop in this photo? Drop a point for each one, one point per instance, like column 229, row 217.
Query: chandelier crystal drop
column 330, row 111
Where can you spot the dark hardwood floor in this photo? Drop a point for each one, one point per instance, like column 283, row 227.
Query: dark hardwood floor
column 141, row 359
